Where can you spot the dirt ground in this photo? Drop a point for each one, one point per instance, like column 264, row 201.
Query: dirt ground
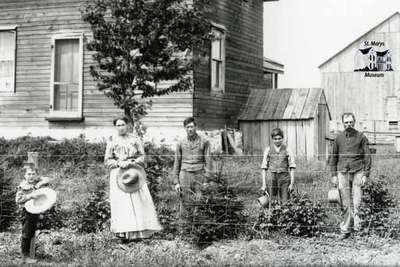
column 69, row 249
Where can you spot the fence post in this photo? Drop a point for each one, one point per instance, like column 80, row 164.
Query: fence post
column 225, row 136
column 34, row 158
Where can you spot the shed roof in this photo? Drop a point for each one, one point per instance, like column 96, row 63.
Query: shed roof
column 283, row 104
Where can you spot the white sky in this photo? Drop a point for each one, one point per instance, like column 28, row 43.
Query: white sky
column 302, row 34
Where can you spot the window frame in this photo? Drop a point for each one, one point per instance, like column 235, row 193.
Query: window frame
column 393, row 125
column 55, row 115
column 222, row 31
column 11, row 28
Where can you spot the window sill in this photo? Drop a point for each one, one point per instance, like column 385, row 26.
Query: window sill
column 217, row 93
column 65, row 118
column 7, row 93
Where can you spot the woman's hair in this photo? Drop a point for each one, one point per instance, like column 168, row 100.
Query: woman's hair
column 277, row 132
column 189, row 120
column 121, row 118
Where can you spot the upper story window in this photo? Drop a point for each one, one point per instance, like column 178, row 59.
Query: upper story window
column 7, row 59
column 66, row 78
column 218, row 60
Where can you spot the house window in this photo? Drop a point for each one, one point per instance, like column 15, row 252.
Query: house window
column 269, row 79
column 393, row 125
column 66, row 80
column 7, row 60
column 218, row 60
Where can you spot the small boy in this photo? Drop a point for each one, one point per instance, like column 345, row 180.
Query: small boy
column 279, row 160
column 25, row 192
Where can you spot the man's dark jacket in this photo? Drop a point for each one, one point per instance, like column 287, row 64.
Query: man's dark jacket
column 350, row 153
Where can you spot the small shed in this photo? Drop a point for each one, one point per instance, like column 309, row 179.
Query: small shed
column 302, row 114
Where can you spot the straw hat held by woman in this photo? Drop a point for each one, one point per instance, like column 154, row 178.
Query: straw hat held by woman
column 133, row 214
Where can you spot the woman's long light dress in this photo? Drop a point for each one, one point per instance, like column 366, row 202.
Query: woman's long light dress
column 133, row 215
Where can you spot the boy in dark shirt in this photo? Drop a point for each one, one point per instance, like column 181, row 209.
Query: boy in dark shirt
column 25, row 192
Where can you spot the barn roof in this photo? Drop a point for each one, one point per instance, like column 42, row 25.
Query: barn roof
column 282, row 104
column 359, row 38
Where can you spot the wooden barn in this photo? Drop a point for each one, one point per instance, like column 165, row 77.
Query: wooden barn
column 46, row 87
column 302, row 114
column 364, row 78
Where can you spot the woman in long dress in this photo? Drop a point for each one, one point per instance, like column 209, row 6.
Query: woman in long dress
column 133, row 215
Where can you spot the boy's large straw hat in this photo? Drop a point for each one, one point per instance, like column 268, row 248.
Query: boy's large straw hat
column 46, row 198
column 131, row 180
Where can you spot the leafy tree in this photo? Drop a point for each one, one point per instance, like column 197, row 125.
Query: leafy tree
column 138, row 43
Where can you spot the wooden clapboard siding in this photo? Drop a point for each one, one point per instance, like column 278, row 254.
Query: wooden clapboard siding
column 366, row 97
column 291, row 136
column 299, row 136
column 243, row 68
column 37, row 22
column 265, row 132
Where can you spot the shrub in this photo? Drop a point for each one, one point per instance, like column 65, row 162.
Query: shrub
column 298, row 217
column 53, row 219
column 377, row 208
column 168, row 212
column 92, row 214
column 158, row 160
column 76, row 151
column 214, row 215
column 7, row 202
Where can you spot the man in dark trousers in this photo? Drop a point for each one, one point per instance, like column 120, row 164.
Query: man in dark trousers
column 192, row 166
column 350, row 165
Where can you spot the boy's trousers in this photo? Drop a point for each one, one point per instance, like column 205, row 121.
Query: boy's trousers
column 29, row 223
column 278, row 186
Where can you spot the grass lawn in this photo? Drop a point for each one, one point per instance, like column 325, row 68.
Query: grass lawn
column 65, row 248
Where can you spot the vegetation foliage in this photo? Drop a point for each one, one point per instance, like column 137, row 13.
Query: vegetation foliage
column 138, row 43
column 217, row 213
column 377, row 212
column 7, row 202
column 220, row 213
column 93, row 213
column 300, row 216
